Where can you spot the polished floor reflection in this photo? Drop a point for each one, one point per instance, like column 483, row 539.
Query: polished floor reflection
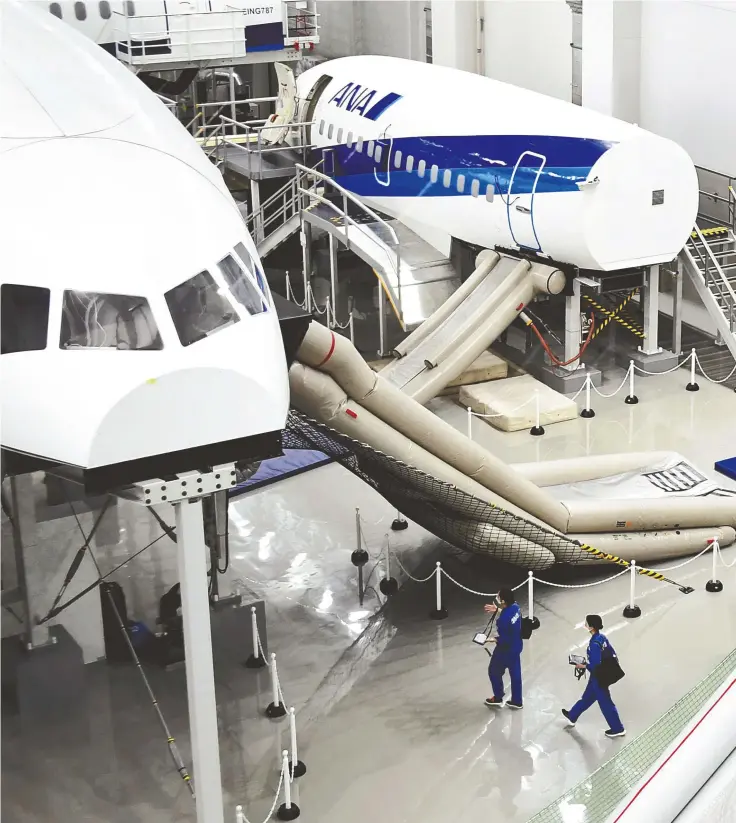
column 390, row 703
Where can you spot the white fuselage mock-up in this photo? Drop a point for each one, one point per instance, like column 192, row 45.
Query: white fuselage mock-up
column 498, row 166
column 139, row 335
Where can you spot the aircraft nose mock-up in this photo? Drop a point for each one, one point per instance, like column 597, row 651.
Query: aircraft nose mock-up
column 139, row 336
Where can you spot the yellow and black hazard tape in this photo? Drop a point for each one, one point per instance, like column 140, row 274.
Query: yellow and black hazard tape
column 619, row 561
column 713, row 231
column 615, row 315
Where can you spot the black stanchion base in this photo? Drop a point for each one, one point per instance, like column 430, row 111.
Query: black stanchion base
column 273, row 711
column 254, row 662
column 632, row 611
column 359, row 557
column 714, row 586
column 686, row 589
column 399, row 525
column 587, row 413
column 692, row 387
column 389, row 586
column 438, row 614
column 631, row 399
column 298, row 770
column 288, row 812
column 536, row 431
column 535, row 623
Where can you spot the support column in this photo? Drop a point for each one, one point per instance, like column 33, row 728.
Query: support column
column 572, row 326
column 333, row 277
column 192, row 562
column 255, row 208
column 651, row 312
column 677, row 308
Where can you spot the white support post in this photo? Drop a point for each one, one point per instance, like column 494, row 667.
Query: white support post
column 256, row 660
column 439, row 612
column 192, row 557
column 678, row 277
column 530, row 598
column 470, row 423
column 333, row 275
column 587, row 412
column 632, row 610
column 651, row 312
column 714, row 584
column 275, row 708
column 537, row 430
column 296, row 767
column 693, row 384
column 255, row 205
column 573, row 332
column 287, row 810
column 631, row 399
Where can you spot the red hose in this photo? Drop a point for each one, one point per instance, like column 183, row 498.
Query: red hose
column 552, row 355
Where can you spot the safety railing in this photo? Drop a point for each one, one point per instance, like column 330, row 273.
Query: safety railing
column 595, row 798
column 193, row 36
column 717, row 197
column 169, row 103
column 248, row 140
column 702, row 257
column 393, row 248
column 207, row 121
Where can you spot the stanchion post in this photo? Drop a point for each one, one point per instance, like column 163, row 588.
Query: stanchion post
column 276, row 708
column 287, row 810
column 631, row 399
column 587, row 412
column 239, row 815
column 439, row 612
column 530, row 597
column 470, row 423
column 632, row 610
column 389, row 585
column 296, row 767
column 359, row 557
column 692, row 385
column 399, row 523
column 714, row 584
column 537, row 430
column 256, row 660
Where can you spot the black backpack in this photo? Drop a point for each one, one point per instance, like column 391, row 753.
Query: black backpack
column 609, row 670
column 527, row 627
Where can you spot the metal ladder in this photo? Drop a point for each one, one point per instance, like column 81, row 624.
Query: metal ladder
column 711, row 265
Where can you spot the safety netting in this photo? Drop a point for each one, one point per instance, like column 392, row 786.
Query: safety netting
column 595, row 798
column 455, row 516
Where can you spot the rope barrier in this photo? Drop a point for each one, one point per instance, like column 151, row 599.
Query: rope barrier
column 711, row 379
column 580, row 585
column 668, row 371
column 240, row 814
column 613, row 394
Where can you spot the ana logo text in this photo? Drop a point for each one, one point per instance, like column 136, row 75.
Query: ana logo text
column 359, row 99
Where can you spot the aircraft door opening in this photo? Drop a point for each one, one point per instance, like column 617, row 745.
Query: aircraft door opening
column 280, row 121
column 309, row 106
column 520, row 201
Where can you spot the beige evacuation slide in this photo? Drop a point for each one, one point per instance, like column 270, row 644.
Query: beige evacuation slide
column 330, row 379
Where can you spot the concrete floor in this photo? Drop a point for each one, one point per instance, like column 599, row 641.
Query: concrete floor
column 390, row 703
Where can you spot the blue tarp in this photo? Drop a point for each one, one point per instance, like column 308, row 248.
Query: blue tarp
column 727, row 467
column 293, row 462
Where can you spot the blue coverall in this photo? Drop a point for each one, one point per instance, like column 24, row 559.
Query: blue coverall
column 598, row 647
column 507, row 654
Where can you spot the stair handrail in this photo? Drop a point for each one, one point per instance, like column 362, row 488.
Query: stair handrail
column 394, row 299
column 720, row 281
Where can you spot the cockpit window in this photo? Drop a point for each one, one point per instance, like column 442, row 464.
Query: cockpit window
column 91, row 320
column 199, row 307
column 241, row 286
column 252, row 266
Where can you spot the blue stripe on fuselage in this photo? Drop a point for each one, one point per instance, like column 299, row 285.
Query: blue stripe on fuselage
column 488, row 158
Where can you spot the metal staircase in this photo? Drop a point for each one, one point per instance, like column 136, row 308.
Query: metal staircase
column 710, row 260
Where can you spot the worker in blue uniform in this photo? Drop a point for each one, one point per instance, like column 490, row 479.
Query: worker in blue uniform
column 507, row 654
column 599, row 648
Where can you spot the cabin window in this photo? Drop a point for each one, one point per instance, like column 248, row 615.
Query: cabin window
column 349, row 141
column 410, row 163
column 130, row 8
column 339, row 135
column 199, row 308
column 105, row 13
column 80, row 11
column 359, row 144
column 379, row 152
column 371, row 146
column 397, row 159
column 489, row 192
column 55, row 9
column 321, row 126
column 447, row 178
column 433, row 174
column 25, row 318
column 91, row 320
column 241, row 284
column 475, row 187
column 330, row 130
column 461, row 183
